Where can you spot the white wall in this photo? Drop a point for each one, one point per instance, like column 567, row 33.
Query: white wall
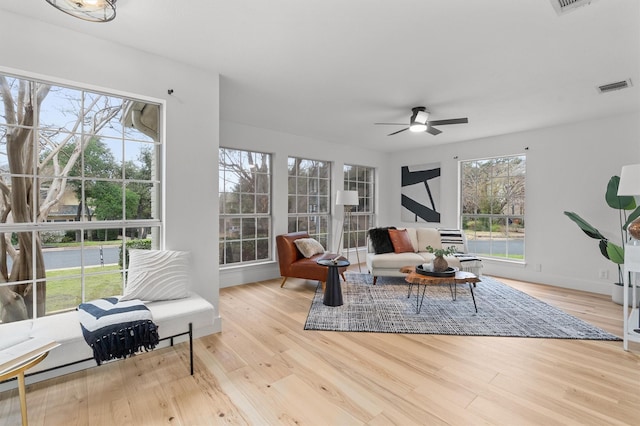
column 282, row 146
column 192, row 122
column 568, row 168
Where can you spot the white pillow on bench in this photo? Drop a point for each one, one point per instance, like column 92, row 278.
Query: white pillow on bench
column 157, row 275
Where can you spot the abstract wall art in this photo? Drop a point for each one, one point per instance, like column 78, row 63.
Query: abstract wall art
column 420, row 193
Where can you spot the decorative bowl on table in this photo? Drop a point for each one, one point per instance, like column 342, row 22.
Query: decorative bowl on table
column 449, row 272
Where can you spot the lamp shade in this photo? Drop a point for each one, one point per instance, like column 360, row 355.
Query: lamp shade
column 347, row 198
column 629, row 180
column 89, row 10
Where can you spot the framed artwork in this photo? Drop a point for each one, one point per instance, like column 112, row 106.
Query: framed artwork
column 420, row 193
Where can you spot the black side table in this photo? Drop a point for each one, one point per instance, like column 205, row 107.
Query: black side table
column 333, row 290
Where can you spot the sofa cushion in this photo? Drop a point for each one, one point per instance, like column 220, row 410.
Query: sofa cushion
column 401, row 241
column 380, row 240
column 394, row 260
column 428, row 237
column 309, row 247
column 413, row 236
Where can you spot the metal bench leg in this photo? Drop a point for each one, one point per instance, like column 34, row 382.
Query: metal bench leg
column 191, row 346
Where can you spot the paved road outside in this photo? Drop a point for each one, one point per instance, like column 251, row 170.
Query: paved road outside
column 70, row 257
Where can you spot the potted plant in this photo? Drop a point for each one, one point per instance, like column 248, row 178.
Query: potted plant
column 610, row 250
column 440, row 263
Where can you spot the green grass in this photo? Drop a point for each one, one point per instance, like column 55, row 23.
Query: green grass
column 64, row 286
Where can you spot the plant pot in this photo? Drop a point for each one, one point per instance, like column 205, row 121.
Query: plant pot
column 617, row 296
column 440, row 264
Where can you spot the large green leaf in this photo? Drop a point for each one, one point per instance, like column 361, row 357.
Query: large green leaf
column 633, row 216
column 615, row 253
column 584, row 225
column 614, row 201
column 603, row 248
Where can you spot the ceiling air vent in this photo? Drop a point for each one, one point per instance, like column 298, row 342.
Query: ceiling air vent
column 566, row 6
column 615, row 86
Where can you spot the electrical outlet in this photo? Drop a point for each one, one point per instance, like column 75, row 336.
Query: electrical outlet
column 603, row 274
column 538, row 267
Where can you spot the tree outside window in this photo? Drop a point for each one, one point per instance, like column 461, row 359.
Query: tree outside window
column 493, row 206
column 75, row 166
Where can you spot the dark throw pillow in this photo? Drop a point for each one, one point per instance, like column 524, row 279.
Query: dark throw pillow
column 380, row 240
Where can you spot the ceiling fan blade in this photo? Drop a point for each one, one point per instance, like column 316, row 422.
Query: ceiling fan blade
column 449, row 121
column 395, row 133
column 433, row 131
column 391, row 124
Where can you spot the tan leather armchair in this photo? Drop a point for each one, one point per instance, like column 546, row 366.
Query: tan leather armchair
column 293, row 264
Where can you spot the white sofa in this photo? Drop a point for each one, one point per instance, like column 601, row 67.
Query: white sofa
column 179, row 320
column 389, row 264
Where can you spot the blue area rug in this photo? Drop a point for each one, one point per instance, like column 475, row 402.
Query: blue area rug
column 502, row 311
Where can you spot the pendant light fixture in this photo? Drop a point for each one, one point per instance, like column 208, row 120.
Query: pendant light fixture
column 89, row 10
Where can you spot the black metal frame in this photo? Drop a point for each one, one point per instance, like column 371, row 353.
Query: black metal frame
column 452, row 288
column 170, row 338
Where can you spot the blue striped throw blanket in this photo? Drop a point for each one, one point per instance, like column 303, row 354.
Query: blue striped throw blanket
column 116, row 329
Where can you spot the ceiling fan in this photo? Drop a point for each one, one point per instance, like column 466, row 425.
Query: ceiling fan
column 420, row 122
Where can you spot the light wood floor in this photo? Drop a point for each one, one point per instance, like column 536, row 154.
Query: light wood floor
column 264, row 369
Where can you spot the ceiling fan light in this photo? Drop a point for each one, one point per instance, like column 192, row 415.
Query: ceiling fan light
column 88, row 10
column 422, row 117
column 417, row 127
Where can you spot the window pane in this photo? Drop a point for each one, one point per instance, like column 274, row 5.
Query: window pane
column 248, row 250
column 247, row 203
column 103, row 282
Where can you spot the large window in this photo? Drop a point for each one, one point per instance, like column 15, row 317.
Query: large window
column 244, row 189
column 493, row 199
column 361, row 179
column 80, row 182
column 309, row 198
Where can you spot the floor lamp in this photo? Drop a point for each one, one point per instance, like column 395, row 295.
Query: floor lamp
column 347, row 199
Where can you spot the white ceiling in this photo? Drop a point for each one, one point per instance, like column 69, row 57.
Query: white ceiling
column 329, row 69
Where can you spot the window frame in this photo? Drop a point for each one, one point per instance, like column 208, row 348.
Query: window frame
column 239, row 221
column 38, row 226
column 322, row 219
column 364, row 214
column 503, row 232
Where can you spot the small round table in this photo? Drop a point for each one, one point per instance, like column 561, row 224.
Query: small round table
column 333, row 290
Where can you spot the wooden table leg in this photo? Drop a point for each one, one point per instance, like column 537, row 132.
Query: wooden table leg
column 23, row 398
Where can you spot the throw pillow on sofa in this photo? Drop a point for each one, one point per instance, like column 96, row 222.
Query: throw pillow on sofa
column 380, row 240
column 309, row 247
column 401, row 241
column 157, row 275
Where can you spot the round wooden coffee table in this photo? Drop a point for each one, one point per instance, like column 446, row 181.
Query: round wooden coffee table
column 461, row 277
